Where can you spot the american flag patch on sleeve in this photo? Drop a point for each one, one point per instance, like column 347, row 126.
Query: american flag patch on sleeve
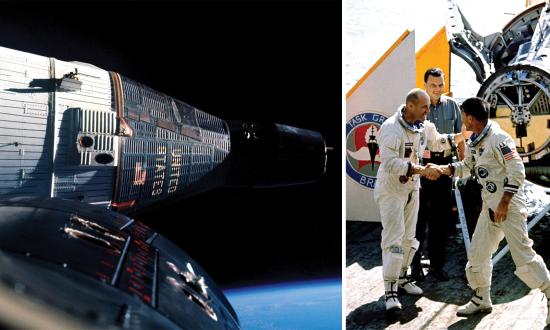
column 507, row 153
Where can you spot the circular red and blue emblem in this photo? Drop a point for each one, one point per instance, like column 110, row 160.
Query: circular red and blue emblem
column 362, row 152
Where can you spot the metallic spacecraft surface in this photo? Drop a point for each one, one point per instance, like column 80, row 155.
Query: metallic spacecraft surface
column 72, row 264
column 78, row 143
column 74, row 131
column 513, row 69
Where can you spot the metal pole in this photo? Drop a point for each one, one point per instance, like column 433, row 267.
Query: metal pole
column 462, row 216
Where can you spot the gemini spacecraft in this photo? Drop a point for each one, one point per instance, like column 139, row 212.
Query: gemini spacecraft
column 82, row 148
column 513, row 69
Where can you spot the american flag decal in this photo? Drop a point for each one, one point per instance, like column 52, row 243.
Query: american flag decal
column 507, row 153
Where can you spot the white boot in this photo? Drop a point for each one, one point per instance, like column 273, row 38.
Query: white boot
column 392, row 303
column 407, row 284
column 480, row 303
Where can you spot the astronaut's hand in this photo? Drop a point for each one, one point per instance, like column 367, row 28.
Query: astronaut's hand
column 501, row 212
column 432, row 172
column 436, row 167
column 502, row 208
column 442, row 169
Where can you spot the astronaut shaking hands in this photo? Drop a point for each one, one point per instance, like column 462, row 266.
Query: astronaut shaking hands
column 439, row 143
column 408, row 135
column 402, row 141
column 492, row 155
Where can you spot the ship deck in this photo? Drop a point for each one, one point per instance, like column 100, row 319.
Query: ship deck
column 515, row 305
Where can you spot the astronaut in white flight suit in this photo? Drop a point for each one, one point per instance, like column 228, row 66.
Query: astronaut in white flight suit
column 491, row 154
column 402, row 140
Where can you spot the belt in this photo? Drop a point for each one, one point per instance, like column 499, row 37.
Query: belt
column 439, row 158
column 442, row 154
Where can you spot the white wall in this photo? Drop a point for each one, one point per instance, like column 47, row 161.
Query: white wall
column 384, row 89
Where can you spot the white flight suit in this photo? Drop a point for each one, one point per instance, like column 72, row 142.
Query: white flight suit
column 401, row 145
column 492, row 156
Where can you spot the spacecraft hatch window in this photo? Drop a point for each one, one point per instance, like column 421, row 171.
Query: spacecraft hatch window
column 523, row 52
column 74, row 233
column 192, row 295
column 95, row 227
column 203, row 304
column 176, row 112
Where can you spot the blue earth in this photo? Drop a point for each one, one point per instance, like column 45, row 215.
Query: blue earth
column 303, row 305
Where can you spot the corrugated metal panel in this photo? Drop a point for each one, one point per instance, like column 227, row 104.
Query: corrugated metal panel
column 29, row 61
column 100, row 126
column 25, row 146
column 87, row 111
column 152, row 170
column 174, row 145
column 211, row 123
column 41, row 129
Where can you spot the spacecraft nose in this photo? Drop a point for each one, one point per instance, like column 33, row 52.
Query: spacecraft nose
column 268, row 154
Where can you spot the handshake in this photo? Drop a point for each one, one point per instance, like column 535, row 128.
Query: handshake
column 433, row 171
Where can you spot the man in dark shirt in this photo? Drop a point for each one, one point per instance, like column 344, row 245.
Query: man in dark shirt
column 435, row 196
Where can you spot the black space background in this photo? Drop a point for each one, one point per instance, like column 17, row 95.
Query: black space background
column 279, row 62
